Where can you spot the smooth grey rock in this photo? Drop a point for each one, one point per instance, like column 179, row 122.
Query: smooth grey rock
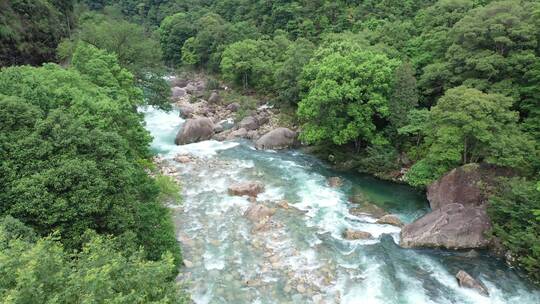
column 453, row 226
column 249, row 123
column 280, row 138
column 214, row 98
column 251, row 189
column 195, row 130
column 466, row 280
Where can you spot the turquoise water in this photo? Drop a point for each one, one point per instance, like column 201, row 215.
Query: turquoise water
column 304, row 258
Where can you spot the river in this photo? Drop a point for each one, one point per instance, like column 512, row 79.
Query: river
column 304, row 258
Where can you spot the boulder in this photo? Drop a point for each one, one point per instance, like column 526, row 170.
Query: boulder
column 233, row 107
column 218, row 128
column 178, row 92
column 186, row 111
column 251, row 189
column 258, row 212
column 280, row 138
column 190, row 88
column 195, row 130
column 335, row 182
column 458, row 219
column 467, row 185
column 390, row 219
column 466, row 280
column 240, row 133
column 249, row 123
column 177, row 82
column 350, row 234
column 452, row 226
column 214, row 98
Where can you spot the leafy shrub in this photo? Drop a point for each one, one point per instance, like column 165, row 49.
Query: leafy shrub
column 515, row 222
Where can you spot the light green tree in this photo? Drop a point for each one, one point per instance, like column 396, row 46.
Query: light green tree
column 347, row 89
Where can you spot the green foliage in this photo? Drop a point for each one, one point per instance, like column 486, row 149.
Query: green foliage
column 173, row 33
column 30, row 30
column 468, row 126
column 516, row 224
column 346, row 90
column 169, row 190
column 135, row 49
column 404, row 96
column 71, row 144
column 43, row 272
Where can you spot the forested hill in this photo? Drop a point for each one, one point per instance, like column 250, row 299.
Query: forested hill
column 403, row 89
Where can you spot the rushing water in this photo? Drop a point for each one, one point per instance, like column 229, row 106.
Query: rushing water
column 304, row 258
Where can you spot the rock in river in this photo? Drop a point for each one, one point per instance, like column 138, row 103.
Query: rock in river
column 458, row 219
column 390, row 219
column 350, row 234
column 467, row 281
column 280, row 138
column 246, row 188
column 195, row 130
column 258, row 212
column 335, row 182
column 453, row 226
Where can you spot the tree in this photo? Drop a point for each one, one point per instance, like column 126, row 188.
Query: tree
column 173, row 33
column 248, row 63
column 404, row 96
column 468, row 126
column 135, row 49
column 347, row 89
column 287, row 75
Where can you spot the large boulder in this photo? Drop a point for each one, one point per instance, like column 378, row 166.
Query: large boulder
column 280, row 138
column 466, row 280
column 467, row 185
column 251, row 189
column 195, row 130
column 249, row 123
column 452, row 226
column 458, row 219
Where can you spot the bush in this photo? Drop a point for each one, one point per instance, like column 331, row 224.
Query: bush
column 513, row 212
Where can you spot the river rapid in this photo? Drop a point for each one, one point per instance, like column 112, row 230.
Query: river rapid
column 303, row 258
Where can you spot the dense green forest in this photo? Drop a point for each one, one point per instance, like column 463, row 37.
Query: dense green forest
column 418, row 84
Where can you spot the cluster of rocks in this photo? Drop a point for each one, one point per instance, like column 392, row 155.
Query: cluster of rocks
column 213, row 119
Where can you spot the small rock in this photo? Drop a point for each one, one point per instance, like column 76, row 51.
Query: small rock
column 301, row 288
column 218, row 128
column 283, row 204
column 233, row 107
column 186, row 111
column 246, row 188
column 368, row 209
column 335, row 182
column 182, row 159
column 188, row 264
column 390, row 219
column 258, row 213
column 249, row 123
column 214, row 98
column 350, row 234
column 466, row 280
column 178, row 92
column 240, row 133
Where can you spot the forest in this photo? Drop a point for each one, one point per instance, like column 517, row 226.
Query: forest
column 418, row 84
